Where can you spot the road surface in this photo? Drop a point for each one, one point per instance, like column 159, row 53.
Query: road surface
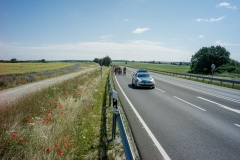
column 182, row 119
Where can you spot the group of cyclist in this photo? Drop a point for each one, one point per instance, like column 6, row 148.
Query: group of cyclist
column 119, row 70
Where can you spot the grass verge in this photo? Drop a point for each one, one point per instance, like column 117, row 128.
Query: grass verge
column 61, row 122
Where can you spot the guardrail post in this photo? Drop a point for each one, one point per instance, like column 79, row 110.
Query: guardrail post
column 114, row 95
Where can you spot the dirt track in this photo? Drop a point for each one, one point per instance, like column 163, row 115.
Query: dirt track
column 12, row 94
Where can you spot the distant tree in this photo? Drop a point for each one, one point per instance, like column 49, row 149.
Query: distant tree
column 43, row 61
column 96, row 60
column 202, row 60
column 13, row 60
column 106, row 61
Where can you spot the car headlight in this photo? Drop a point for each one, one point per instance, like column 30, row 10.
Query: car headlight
column 152, row 80
column 138, row 80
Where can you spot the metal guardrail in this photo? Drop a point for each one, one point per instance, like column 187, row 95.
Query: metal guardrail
column 197, row 77
column 117, row 117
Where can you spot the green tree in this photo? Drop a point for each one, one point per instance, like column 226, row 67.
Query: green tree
column 106, row 61
column 13, row 60
column 96, row 60
column 202, row 60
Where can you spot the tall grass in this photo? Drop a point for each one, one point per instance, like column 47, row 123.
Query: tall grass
column 61, row 122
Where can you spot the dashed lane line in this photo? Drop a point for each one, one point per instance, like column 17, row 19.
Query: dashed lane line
column 220, row 105
column 189, row 103
column 237, row 125
column 201, row 91
column 160, row 90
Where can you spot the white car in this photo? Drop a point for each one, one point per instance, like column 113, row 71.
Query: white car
column 143, row 79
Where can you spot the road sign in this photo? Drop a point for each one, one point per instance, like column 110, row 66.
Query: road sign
column 213, row 66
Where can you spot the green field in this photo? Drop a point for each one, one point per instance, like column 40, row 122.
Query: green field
column 162, row 67
column 24, row 68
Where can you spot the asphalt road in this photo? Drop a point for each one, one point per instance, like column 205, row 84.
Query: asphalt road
column 182, row 119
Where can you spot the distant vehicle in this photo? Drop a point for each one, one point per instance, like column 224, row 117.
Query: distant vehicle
column 143, row 79
column 142, row 70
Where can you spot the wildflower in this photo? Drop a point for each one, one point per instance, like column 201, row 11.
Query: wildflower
column 51, row 112
column 44, row 110
column 73, row 149
column 72, row 139
column 59, row 153
column 48, row 150
column 20, row 139
column 25, row 143
column 61, row 112
column 59, row 107
column 49, row 119
column 14, row 136
column 55, row 145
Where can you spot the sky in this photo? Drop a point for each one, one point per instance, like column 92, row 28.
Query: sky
column 140, row 30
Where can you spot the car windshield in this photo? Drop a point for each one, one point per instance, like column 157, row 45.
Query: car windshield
column 143, row 75
column 142, row 71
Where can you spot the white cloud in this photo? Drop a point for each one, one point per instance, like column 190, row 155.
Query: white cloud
column 201, row 36
column 210, row 20
column 140, row 30
column 106, row 38
column 217, row 19
column 129, row 50
column 219, row 42
column 225, row 4
column 201, row 20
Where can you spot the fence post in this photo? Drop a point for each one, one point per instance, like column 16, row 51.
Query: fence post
column 114, row 95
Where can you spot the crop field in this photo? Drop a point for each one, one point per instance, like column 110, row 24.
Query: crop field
column 15, row 74
column 23, row 68
column 162, row 67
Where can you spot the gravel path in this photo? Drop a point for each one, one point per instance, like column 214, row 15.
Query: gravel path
column 12, row 94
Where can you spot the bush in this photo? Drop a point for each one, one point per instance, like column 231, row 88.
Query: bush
column 227, row 68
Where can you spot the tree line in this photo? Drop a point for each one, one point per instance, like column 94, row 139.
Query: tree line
column 202, row 61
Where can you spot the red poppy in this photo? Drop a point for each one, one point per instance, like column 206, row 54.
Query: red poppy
column 61, row 112
column 25, row 143
column 20, row 139
column 14, row 136
column 59, row 153
column 49, row 119
column 48, row 150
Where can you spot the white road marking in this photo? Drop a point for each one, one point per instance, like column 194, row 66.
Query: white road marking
column 222, row 106
column 160, row 90
column 201, row 91
column 237, row 125
column 190, row 103
column 155, row 141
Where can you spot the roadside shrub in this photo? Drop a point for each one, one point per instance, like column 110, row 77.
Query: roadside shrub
column 226, row 68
